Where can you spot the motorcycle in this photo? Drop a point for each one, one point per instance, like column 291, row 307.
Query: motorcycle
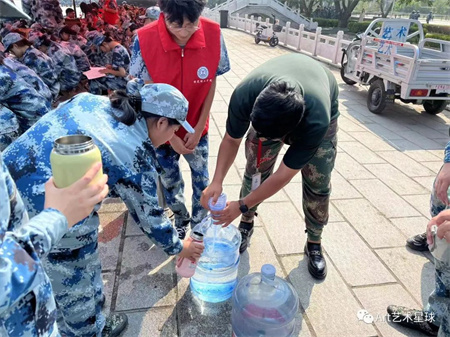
column 271, row 40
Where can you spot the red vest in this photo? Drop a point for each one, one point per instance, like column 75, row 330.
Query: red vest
column 191, row 70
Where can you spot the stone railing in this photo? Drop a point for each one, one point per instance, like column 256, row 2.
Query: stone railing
column 323, row 47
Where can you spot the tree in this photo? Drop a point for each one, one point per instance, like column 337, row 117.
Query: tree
column 306, row 7
column 344, row 9
column 385, row 7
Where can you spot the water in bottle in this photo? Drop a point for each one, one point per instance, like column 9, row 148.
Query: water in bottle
column 264, row 305
column 216, row 274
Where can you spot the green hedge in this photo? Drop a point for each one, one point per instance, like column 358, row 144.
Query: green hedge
column 326, row 23
column 438, row 36
column 437, row 29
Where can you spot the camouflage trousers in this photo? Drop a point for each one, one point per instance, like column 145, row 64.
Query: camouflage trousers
column 75, row 272
column 316, row 177
column 173, row 184
column 9, row 127
column 438, row 305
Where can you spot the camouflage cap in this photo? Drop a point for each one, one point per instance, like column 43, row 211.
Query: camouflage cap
column 162, row 100
column 10, row 39
column 98, row 39
column 151, row 13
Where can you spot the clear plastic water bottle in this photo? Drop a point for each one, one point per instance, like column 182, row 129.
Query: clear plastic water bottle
column 216, row 275
column 264, row 305
column 186, row 267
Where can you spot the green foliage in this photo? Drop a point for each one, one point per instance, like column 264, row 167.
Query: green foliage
column 438, row 29
column 438, row 36
column 328, row 23
column 358, row 27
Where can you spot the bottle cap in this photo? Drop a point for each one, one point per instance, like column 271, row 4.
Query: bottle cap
column 197, row 236
column 268, row 271
column 220, row 204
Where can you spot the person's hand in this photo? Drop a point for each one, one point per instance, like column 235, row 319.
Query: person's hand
column 442, row 220
column 214, row 190
column 179, row 146
column 104, row 71
column 191, row 140
column 192, row 250
column 442, row 183
column 77, row 201
column 227, row 215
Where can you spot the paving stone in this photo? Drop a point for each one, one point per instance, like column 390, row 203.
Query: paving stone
column 434, row 166
column 376, row 300
column 147, row 276
column 382, row 132
column 405, row 164
column 285, row 226
column 108, row 288
column 420, row 140
column 341, row 188
column 370, row 223
column 109, row 235
column 350, row 168
column 232, row 177
column 361, row 153
column 405, row 145
column 347, row 125
column 411, row 226
column 155, row 322
column 386, row 201
column 420, row 202
column 132, row 227
column 395, row 179
column 329, row 305
column 422, row 155
column 413, row 269
column 220, row 119
column 112, row 205
column 426, row 182
column 214, row 143
column 370, row 269
column 373, row 142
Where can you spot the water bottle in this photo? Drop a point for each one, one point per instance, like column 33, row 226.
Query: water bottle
column 216, row 275
column 186, row 267
column 264, row 305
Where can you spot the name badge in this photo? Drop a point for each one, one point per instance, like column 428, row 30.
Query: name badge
column 256, row 180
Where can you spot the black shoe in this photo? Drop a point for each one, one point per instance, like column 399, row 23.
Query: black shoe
column 418, row 242
column 413, row 319
column 317, row 265
column 246, row 230
column 115, row 324
column 103, row 301
column 182, row 230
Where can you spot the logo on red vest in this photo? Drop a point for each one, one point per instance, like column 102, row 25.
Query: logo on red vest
column 202, row 73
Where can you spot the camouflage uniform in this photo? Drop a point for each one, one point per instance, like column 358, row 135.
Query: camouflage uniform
column 80, row 57
column 65, row 66
column 119, row 59
column 129, row 159
column 30, row 77
column 44, row 67
column 20, row 98
column 46, row 12
column 439, row 301
column 198, row 161
column 9, row 127
column 27, row 306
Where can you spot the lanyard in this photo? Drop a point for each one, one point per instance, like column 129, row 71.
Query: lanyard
column 259, row 160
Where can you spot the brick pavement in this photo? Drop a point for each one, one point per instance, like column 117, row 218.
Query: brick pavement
column 385, row 167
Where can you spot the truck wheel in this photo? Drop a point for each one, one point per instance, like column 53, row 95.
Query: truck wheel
column 434, row 107
column 344, row 78
column 376, row 97
column 257, row 40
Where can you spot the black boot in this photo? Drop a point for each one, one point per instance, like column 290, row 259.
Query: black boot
column 115, row 324
column 418, row 242
column 413, row 319
column 317, row 265
column 246, row 230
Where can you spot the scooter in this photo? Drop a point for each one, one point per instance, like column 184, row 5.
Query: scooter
column 272, row 40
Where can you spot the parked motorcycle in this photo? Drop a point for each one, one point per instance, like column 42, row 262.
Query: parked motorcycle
column 271, row 40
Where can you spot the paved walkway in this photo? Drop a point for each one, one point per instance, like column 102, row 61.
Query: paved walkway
column 385, row 168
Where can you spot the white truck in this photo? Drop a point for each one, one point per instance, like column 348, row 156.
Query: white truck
column 397, row 62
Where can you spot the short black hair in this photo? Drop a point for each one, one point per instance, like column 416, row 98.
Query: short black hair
column 177, row 10
column 69, row 10
column 278, row 109
column 67, row 30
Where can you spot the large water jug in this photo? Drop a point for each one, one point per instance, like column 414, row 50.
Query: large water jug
column 264, row 305
column 216, row 275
